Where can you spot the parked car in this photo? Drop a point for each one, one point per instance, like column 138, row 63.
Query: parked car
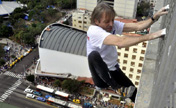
column 37, row 93
column 28, row 95
column 47, row 96
column 76, row 101
column 27, row 90
column 25, row 54
column 41, row 99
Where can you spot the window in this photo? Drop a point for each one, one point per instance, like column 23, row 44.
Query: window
column 142, row 58
column 123, row 68
column 126, row 49
column 140, row 65
column 144, row 44
column 119, row 54
column 130, row 76
column 124, row 61
column 135, row 50
column 85, row 17
column 80, row 26
column 136, row 83
column 142, row 51
column 85, row 22
column 131, row 69
column 126, row 55
column 138, row 71
column 79, row 21
column 133, row 57
column 137, row 77
column 118, row 60
column 133, row 64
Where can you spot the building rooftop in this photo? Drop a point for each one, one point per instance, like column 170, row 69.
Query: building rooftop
column 64, row 38
column 7, row 7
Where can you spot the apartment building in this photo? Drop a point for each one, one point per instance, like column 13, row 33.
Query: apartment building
column 123, row 8
column 81, row 19
column 131, row 60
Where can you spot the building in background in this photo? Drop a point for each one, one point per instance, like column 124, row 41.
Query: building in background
column 62, row 52
column 123, row 8
column 81, row 19
column 131, row 60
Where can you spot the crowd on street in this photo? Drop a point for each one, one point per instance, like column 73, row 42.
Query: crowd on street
column 13, row 52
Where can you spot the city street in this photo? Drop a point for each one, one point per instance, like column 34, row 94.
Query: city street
column 13, row 85
column 12, row 92
column 26, row 62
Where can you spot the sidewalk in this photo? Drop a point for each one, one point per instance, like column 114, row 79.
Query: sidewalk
column 15, row 49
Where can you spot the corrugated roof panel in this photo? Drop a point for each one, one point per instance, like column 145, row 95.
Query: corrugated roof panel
column 67, row 43
column 65, row 39
column 54, row 39
column 58, row 39
column 75, row 38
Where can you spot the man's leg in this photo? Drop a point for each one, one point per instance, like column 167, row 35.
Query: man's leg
column 123, row 80
column 100, row 71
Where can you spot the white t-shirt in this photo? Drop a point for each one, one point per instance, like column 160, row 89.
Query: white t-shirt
column 95, row 38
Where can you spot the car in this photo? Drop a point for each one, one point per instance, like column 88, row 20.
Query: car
column 25, row 54
column 27, row 90
column 28, row 95
column 47, row 96
column 76, row 101
column 41, row 99
column 37, row 93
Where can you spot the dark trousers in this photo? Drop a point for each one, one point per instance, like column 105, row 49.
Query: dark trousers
column 104, row 78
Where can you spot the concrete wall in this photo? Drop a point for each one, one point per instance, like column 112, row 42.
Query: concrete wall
column 158, row 83
column 126, row 8
column 87, row 4
column 60, row 62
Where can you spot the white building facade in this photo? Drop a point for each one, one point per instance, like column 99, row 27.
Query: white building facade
column 123, row 8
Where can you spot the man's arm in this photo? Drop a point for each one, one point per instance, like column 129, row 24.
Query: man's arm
column 129, row 27
column 126, row 41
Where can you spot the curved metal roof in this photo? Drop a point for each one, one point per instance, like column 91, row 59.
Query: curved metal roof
column 64, row 38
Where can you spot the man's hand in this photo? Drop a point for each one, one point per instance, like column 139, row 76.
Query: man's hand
column 158, row 34
column 161, row 12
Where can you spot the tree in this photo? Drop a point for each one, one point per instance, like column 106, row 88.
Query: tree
column 2, row 52
column 143, row 9
column 30, row 78
column 5, row 31
column 2, row 62
column 67, row 4
column 57, row 83
column 1, row 19
column 73, row 86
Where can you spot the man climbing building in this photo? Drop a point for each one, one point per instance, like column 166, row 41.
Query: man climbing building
column 101, row 47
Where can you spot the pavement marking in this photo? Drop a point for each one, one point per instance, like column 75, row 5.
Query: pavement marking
column 13, row 74
column 35, row 100
column 10, row 90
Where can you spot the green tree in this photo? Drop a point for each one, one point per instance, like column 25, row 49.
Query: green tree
column 30, row 78
column 2, row 62
column 73, row 86
column 2, row 52
column 67, row 4
column 143, row 9
column 5, row 31
column 57, row 83
column 1, row 19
